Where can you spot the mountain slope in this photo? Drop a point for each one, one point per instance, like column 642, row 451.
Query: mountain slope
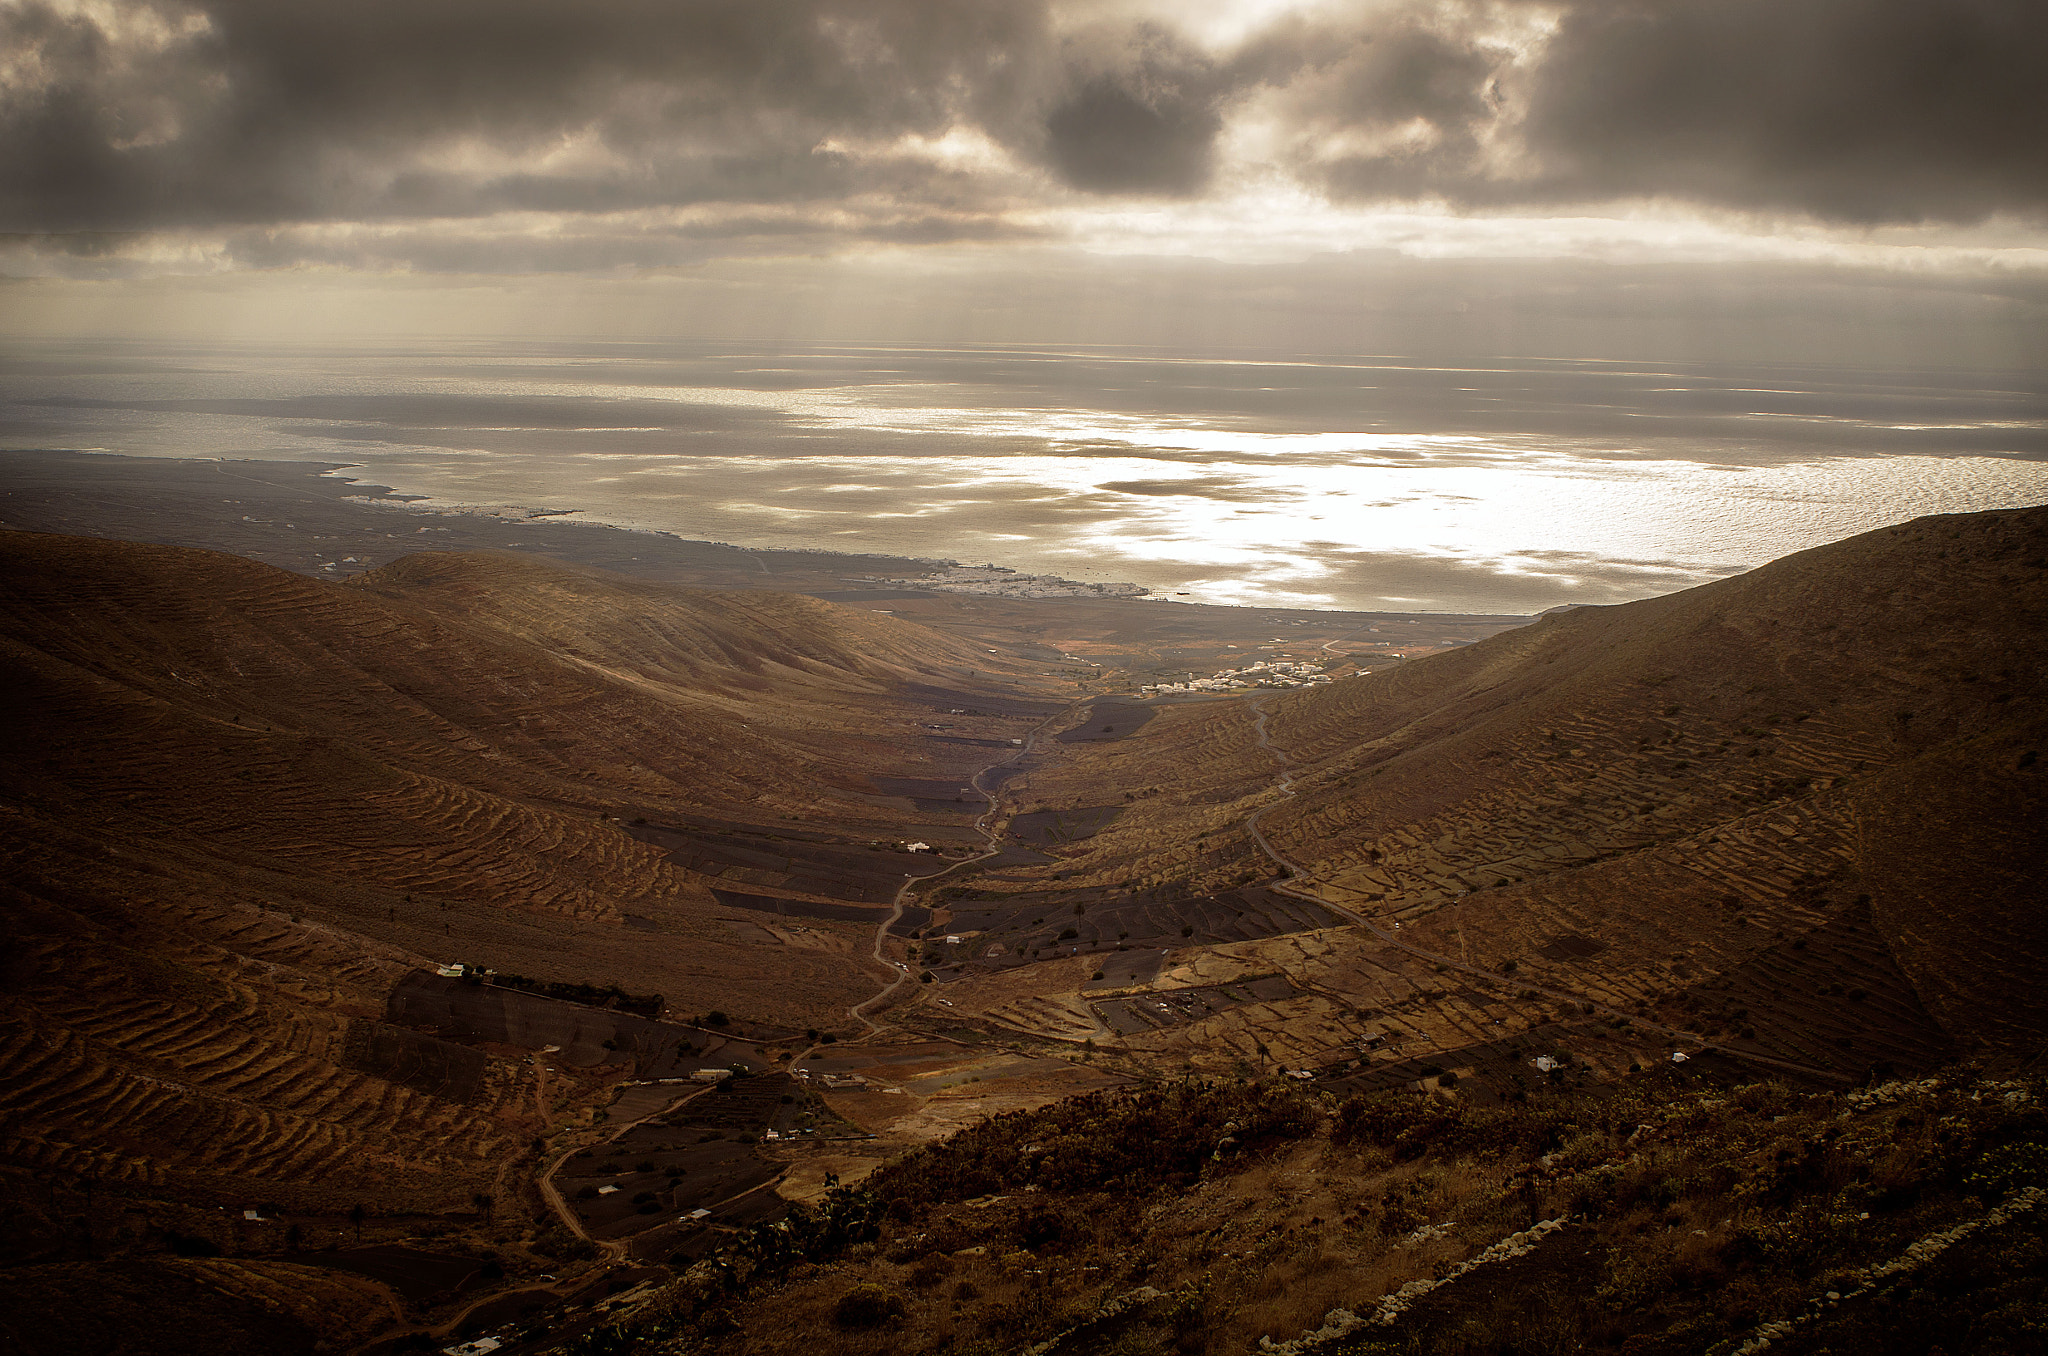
column 1684, row 808
column 237, row 806
column 729, row 640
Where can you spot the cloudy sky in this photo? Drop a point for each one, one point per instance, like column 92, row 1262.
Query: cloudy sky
column 1715, row 191
column 532, row 137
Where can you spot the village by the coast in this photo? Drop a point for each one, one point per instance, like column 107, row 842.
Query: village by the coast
column 1265, row 673
column 997, row 582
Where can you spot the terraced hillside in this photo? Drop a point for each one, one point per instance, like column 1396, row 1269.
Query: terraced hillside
column 446, row 784
column 1798, row 808
column 730, row 642
column 177, row 1053
column 238, row 807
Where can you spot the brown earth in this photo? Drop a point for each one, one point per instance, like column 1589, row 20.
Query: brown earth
column 238, row 807
column 1796, row 812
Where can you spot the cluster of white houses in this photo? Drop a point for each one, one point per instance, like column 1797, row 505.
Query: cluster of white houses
column 996, row 581
column 1265, row 673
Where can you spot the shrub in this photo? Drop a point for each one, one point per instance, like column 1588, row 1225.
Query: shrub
column 187, row 1245
column 1042, row 1227
column 931, row 1270
column 867, row 1305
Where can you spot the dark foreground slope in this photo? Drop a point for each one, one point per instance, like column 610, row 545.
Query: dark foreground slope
column 1685, row 1212
column 1799, row 809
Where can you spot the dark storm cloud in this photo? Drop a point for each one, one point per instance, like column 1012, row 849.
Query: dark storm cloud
column 1857, row 109
column 251, row 111
column 798, row 120
column 1111, row 138
column 1141, row 113
column 1853, row 110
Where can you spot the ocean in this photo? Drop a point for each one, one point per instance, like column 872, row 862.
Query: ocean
column 1376, row 482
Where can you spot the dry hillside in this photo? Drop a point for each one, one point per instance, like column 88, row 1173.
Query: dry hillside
column 1799, row 809
column 237, row 806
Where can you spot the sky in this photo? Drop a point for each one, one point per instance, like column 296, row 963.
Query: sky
column 1450, row 184
column 1891, row 146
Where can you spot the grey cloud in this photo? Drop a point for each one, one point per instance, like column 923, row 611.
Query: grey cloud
column 1420, row 96
column 778, row 126
column 1142, row 115
column 1858, row 109
column 1854, row 110
column 1110, row 138
column 249, row 111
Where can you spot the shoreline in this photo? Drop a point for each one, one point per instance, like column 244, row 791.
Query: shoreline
column 179, row 501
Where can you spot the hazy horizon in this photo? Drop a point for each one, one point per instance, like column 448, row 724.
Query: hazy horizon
column 1373, row 483
column 1383, row 303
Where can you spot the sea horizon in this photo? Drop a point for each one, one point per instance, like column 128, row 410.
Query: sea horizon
column 1367, row 482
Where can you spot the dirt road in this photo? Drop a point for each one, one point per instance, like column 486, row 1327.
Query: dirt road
column 981, row 826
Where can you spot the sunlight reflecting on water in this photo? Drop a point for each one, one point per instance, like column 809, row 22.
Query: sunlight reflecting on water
column 1500, row 487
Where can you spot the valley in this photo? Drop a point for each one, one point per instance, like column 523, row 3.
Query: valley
column 773, row 903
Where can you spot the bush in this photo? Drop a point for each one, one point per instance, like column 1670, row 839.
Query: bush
column 187, row 1245
column 1100, row 1141
column 931, row 1270
column 867, row 1305
column 1041, row 1227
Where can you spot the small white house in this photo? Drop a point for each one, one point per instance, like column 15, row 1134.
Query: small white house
column 710, row 1075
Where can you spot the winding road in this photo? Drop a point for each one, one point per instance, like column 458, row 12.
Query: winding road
column 859, row 1011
